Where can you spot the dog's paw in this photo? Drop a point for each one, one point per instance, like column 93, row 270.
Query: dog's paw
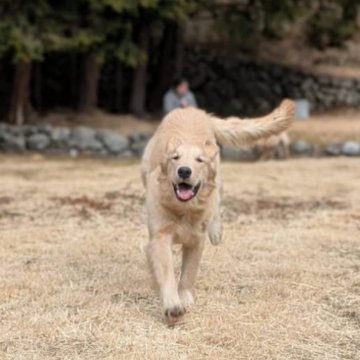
column 174, row 314
column 186, row 298
column 215, row 232
column 215, row 235
column 215, row 239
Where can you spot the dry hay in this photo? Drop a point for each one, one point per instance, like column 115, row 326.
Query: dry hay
column 283, row 208
column 330, row 127
column 284, row 285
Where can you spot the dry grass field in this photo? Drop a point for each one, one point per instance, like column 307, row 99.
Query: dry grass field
column 335, row 126
column 285, row 284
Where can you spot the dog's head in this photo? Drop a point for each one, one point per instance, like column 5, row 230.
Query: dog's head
column 189, row 167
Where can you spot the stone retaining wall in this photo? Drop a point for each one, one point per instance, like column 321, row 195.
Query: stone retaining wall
column 45, row 138
column 230, row 84
column 82, row 140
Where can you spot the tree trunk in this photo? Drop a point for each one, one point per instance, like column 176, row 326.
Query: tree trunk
column 75, row 87
column 164, row 72
column 3, row 90
column 118, row 101
column 20, row 103
column 138, row 89
column 37, row 87
column 179, row 51
column 91, row 81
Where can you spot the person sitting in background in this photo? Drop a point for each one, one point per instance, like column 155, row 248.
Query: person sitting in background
column 179, row 96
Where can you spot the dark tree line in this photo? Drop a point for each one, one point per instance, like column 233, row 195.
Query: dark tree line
column 86, row 34
column 65, row 53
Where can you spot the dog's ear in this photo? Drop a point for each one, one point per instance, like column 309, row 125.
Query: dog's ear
column 170, row 150
column 164, row 162
column 211, row 149
column 172, row 145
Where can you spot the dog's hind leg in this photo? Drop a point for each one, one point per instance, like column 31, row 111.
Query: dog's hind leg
column 284, row 146
column 159, row 254
column 190, row 264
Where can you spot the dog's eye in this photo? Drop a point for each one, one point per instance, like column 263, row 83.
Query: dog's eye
column 176, row 157
column 200, row 159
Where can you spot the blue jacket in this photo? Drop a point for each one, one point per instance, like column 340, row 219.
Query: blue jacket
column 173, row 101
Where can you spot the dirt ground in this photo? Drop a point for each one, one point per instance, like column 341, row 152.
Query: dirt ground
column 285, row 284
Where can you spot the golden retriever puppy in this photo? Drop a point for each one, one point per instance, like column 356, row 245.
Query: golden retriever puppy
column 273, row 146
column 180, row 170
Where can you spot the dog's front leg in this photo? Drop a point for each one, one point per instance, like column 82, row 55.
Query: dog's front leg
column 159, row 254
column 215, row 225
column 190, row 265
column 215, row 229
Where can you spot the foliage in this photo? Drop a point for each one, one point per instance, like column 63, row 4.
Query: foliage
column 333, row 23
column 23, row 28
column 328, row 22
column 247, row 20
column 131, row 32
column 29, row 29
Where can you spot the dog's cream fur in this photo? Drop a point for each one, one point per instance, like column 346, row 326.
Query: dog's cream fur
column 275, row 145
column 190, row 137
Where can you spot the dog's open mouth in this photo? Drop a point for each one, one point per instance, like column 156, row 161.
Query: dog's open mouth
column 186, row 192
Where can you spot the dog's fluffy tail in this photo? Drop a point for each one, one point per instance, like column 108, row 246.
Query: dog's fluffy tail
column 236, row 132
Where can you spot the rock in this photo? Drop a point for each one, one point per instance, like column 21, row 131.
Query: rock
column 95, row 146
column 348, row 83
column 333, row 149
column 301, row 147
column 294, row 78
column 351, row 99
column 138, row 147
column 237, row 154
column 139, row 136
column 83, row 138
column 83, row 132
column 127, row 154
column 308, row 85
column 113, row 142
column 59, row 136
column 138, row 142
column 44, row 128
column 12, row 142
column 3, row 127
column 74, row 153
column 324, row 80
column 237, row 105
column 29, row 129
column 38, row 142
column 103, row 152
column 3, row 132
column 351, row 148
column 15, row 130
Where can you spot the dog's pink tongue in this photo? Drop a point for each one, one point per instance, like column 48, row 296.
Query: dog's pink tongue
column 185, row 194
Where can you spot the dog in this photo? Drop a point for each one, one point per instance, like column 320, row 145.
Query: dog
column 180, row 171
column 275, row 146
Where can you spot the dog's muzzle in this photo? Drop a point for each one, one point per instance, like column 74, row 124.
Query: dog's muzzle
column 186, row 192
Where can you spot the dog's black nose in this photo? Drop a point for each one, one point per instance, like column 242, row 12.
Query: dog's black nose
column 184, row 172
